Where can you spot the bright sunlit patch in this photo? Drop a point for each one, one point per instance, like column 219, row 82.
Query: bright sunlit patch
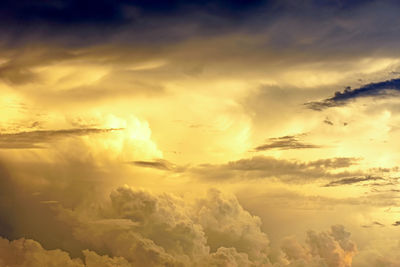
column 71, row 75
column 148, row 65
column 372, row 65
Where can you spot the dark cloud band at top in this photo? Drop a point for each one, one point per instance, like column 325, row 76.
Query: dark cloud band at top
column 156, row 21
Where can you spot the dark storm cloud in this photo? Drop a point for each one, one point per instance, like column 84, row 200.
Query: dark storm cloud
column 164, row 21
column 106, row 17
column 66, row 12
column 352, row 180
column 285, row 142
column 378, row 89
column 34, row 139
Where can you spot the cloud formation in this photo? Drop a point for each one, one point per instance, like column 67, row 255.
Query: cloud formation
column 34, row 139
column 164, row 230
column 353, row 180
column 332, row 248
column 137, row 228
column 285, row 142
column 378, row 89
column 261, row 167
column 29, row 253
column 159, row 164
column 396, row 223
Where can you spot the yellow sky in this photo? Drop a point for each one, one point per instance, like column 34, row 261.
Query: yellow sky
column 215, row 150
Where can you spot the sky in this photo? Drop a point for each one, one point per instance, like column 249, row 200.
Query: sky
column 200, row 133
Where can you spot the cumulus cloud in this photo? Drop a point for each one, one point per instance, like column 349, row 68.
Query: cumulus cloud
column 227, row 224
column 29, row 253
column 26, row 252
column 139, row 228
column 331, row 248
column 146, row 229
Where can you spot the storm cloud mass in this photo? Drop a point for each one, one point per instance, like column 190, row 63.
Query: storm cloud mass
column 199, row 133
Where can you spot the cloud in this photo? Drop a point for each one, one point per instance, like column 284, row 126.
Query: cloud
column 34, row 139
column 397, row 223
column 373, row 224
column 261, row 167
column 378, row 89
column 353, row 180
column 139, row 228
column 147, row 229
column 27, row 252
column 331, row 248
column 227, row 224
column 285, row 142
column 327, row 121
column 228, row 257
column 159, row 164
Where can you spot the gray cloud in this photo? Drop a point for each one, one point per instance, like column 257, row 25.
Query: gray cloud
column 396, row 223
column 373, row 224
column 352, row 180
column 327, row 121
column 261, row 167
column 378, row 89
column 157, row 164
column 35, row 139
column 285, row 142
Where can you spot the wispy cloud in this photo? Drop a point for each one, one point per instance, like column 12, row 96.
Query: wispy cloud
column 396, row 223
column 342, row 98
column 352, row 180
column 268, row 167
column 34, row 139
column 284, row 143
column 373, row 224
column 159, row 164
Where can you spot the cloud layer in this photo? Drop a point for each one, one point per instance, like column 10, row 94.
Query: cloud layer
column 137, row 228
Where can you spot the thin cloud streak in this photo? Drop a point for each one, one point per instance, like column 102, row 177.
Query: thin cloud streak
column 33, row 139
column 352, row 180
column 285, row 143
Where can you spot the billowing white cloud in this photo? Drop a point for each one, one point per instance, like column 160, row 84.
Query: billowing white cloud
column 332, row 248
column 149, row 229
